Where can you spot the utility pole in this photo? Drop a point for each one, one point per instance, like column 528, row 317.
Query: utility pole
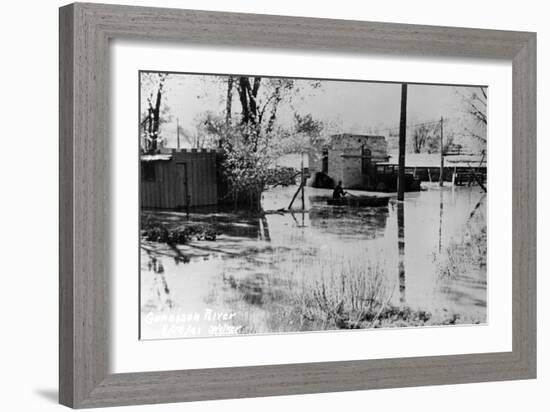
column 441, row 169
column 402, row 141
column 178, row 131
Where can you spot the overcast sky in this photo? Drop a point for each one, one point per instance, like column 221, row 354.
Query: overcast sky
column 352, row 106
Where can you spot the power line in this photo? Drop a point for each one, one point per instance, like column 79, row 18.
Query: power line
column 415, row 124
column 410, row 125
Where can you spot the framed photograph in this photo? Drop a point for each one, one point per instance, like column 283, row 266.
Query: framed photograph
column 257, row 205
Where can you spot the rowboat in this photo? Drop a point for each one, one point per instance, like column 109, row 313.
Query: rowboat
column 360, row 201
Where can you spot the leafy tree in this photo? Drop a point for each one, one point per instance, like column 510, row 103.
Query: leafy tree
column 252, row 144
column 246, row 170
column 306, row 124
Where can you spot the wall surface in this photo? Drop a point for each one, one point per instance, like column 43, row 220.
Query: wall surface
column 28, row 357
column 344, row 157
column 189, row 175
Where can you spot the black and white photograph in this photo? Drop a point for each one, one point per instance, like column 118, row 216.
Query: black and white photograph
column 276, row 205
column 248, row 206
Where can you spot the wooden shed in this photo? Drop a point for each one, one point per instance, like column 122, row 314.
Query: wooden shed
column 178, row 179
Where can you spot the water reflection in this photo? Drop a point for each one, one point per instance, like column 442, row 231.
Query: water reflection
column 401, row 248
column 241, row 271
column 161, row 300
column 441, row 216
column 349, row 223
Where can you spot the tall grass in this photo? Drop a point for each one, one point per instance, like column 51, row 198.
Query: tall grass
column 466, row 253
column 315, row 293
column 348, row 296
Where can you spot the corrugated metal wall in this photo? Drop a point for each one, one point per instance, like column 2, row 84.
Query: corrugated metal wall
column 189, row 172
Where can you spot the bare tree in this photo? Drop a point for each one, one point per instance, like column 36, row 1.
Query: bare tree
column 426, row 138
column 229, row 101
column 420, row 137
column 153, row 85
column 476, row 107
column 248, row 94
column 209, row 130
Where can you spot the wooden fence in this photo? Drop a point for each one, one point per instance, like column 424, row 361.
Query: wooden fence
column 179, row 179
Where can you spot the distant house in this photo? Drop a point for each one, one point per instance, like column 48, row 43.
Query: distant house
column 457, row 168
column 177, row 179
column 350, row 158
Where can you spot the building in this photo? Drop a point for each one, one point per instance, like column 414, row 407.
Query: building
column 178, row 179
column 350, row 158
column 457, row 168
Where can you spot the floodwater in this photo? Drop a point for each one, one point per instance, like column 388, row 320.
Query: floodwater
column 191, row 290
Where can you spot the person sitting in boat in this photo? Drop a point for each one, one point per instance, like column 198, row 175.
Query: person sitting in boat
column 338, row 192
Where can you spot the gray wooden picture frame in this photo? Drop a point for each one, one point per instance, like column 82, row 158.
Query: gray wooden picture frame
column 85, row 32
